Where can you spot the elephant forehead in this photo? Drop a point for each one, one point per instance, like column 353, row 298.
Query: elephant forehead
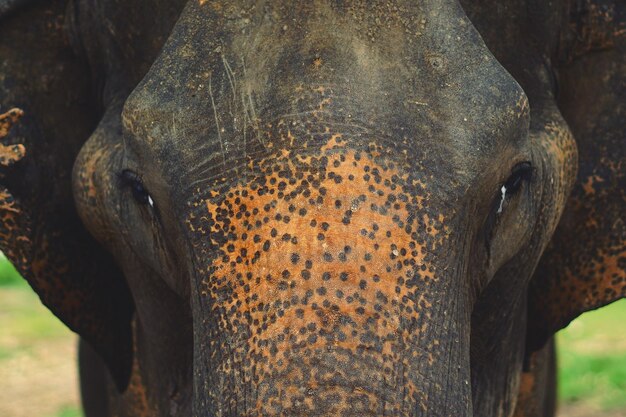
column 226, row 81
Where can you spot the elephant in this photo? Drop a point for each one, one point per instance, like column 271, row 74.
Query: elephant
column 315, row 208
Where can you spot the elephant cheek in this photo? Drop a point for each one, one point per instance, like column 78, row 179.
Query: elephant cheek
column 93, row 181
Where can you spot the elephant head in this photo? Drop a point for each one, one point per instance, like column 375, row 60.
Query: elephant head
column 337, row 208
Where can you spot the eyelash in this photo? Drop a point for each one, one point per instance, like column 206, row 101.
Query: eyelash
column 132, row 180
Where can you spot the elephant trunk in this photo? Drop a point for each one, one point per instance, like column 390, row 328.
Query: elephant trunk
column 327, row 287
column 319, row 358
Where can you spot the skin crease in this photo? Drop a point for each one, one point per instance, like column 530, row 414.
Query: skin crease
column 325, row 179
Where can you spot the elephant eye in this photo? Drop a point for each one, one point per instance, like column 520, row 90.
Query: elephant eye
column 131, row 180
column 520, row 173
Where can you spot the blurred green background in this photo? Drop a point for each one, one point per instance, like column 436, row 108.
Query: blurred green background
column 38, row 371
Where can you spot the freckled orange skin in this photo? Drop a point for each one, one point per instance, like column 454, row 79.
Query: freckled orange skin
column 7, row 120
column 9, row 208
column 306, row 264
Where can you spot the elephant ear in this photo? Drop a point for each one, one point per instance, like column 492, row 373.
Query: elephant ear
column 45, row 116
column 584, row 267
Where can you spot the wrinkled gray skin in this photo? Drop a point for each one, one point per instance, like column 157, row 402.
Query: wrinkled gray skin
column 235, row 85
column 321, row 208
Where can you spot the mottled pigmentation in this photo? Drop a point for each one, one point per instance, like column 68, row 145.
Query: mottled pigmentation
column 10, row 153
column 12, row 227
column 585, row 265
column 318, row 274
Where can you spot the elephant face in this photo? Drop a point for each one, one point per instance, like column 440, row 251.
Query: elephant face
column 323, row 209
column 326, row 214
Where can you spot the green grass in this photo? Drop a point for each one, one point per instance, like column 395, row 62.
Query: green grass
column 24, row 320
column 69, row 411
column 9, row 277
column 592, row 359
